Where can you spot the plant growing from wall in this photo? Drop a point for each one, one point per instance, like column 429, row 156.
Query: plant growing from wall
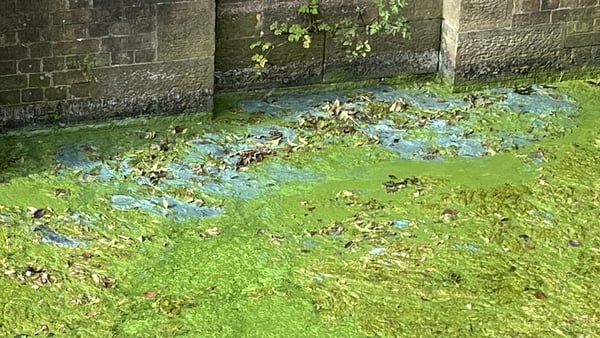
column 352, row 32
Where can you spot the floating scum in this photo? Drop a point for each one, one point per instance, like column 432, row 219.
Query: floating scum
column 360, row 246
column 417, row 125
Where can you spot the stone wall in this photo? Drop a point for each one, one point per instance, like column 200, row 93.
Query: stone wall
column 241, row 22
column 503, row 39
column 69, row 60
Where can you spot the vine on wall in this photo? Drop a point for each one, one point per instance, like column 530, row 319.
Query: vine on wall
column 352, row 33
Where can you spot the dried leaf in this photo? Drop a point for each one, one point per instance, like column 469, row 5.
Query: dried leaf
column 149, row 294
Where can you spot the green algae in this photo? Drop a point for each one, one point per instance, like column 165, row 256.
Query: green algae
column 495, row 246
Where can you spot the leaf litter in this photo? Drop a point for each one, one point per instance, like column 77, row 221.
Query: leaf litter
column 351, row 203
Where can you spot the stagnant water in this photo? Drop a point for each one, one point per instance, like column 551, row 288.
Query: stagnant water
column 371, row 211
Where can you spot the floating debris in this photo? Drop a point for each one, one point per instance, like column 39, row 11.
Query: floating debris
column 53, row 237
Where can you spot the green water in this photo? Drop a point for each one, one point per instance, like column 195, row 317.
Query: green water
column 495, row 246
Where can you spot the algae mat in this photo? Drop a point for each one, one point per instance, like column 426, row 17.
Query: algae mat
column 372, row 211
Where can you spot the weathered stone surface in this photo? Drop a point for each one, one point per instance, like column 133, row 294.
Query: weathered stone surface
column 240, row 23
column 32, row 95
column 549, row 4
column 536, row 48
column 11, row 53
column 30, row 66
column 485, row 14
column 8, row 67
column 53, row 64
column 66, row 51
column 294, row 73
column 70, row 77
column 76, row 47
column 28, row 35
column 181, row 30
column 76, row 110
column 55, row 93
column 42, row 49
column 378, row 66
column 13, row 82
column 583, row 39
column 10, row 97
column 79, row 90
column 153, row 79
column 39, row 80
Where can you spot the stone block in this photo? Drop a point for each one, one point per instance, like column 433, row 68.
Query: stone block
column 75, row 61
column 87, row 46
column 426, row 9
column 531, row 19
column 239, row 25
column 527, row 6
column 585, row 14
column 7, row 6
column 139, row 41
column 99, row 29
column 121, row 58
column 185, row 30
column 550, row 4
column 568, row 4
column 106, row 14
column 79, row 90
column 53, row 64
column 28, row 35
column 30, row 66
column 13, row 81
column 69, row 77
column 132, row 13
column 32, row 94
column 73, row 16
column 79, row 4
column 425, row 37
column 11, row 53
column 8, row 38
column 105, row 3
column 112, row 44
column 149, row 79
column 101, row 59
column 583, row 39
column 55, row 93
column 582, row 26
column 376, row 66
column 495, row 53
column 34, row 20
column 143, row 25
column 119, row 28
column 582, row 56
column 559, row 15
column 143, row 55
column 10, row 97
column 8, row 67
column 42, row 49
column 39, row 79
column 233, row 53
column 61, row 32
column 32, row 6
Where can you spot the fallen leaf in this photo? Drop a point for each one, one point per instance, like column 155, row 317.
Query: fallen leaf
column 150, row 294
column 39, row 213
column 539, row 295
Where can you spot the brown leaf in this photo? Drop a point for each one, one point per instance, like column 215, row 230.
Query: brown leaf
column 539, row 295
column 39, row 213
column 150, row 294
